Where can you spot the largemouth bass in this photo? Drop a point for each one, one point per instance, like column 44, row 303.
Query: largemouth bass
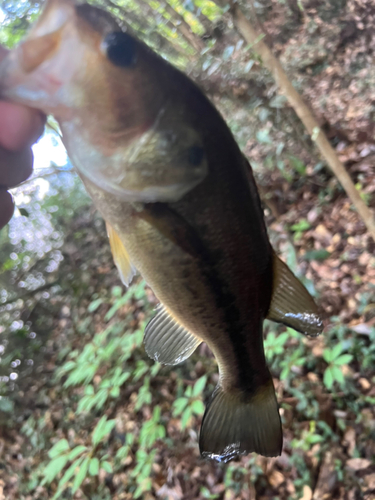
column 181, row 207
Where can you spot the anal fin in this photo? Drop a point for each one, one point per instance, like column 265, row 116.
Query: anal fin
column 291, row 303
column 237, row 423
column 167, row 341
column 120, row 256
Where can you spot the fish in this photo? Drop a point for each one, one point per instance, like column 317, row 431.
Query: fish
column 181, row 207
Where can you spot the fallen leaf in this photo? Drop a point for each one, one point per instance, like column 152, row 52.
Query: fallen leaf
column 358, row 463
column 307, row 493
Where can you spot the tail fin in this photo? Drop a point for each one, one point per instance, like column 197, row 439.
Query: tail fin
column 236, row 423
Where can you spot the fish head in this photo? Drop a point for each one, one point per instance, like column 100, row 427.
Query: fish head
column 68, row 66
column 123, row 127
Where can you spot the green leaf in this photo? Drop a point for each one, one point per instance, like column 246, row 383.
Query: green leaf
column 76, row 451
column 315, row 438
column 24, row 212
column 263, row 136
column 102, row 428
column 116, row 291
column 54, row 468
column 185, row 418
column 199, row 386
column 337, row 374
column 106, row 466
column 179, row 405
column 327, row 355
column 318, row 255
column 298, row 165
column 122, row 452
column 93, row 306
column 328, row 378
column 156, row 414
column 81, row 475
column 278, row 101
column 228, row 52
column 343, row 360
column 89, row 390
column 197, row 407
column 336, row 351
column 67, row 367
column 6, row 405
column 301, row 226
column 58, row 448
column 115, row 392
column 249, row 65
column 109, row 426
column 94, row 467
column 85, row 404
column 69, row 473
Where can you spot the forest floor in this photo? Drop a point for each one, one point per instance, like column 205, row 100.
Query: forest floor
column 329, row 428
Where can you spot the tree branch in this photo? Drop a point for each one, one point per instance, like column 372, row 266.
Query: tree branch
column 252, row 36
column 30, row 293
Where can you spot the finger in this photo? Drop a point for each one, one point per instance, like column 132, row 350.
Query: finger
column 15, row 167
column 6, row 207
column 19, row 126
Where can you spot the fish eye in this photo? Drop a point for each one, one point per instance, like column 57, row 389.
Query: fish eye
column 120, row 48
column 195, row 155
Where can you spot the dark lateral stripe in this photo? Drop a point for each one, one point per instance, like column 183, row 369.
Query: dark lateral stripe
column 174, row 227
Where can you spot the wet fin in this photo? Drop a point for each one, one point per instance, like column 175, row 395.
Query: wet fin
column 167, row 341
column 291, row 303
column 236, row 423
column 120, row 256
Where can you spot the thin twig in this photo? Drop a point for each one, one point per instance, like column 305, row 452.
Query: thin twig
column 251, row 35
column 30, row 293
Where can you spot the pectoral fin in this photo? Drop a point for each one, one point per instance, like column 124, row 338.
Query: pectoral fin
column 167, row 341
column 120, row 256
column 291, row 303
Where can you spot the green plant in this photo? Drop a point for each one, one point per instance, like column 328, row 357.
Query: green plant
column 151, row 430
column 308, row 438
column 299, row 228
column 290, row 362
column 82, row 459
column 335, row 360
column 274, row 345
column 108, row 388
column 142, row 471
column 190, row 404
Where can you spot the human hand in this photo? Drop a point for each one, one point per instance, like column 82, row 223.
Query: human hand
column 20, row 127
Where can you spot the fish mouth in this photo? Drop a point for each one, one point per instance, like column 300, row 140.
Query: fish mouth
column 34, row 73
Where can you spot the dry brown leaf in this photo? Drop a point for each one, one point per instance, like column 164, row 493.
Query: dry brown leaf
column 276, row 478
column 307, row 493
column 358, row 463
column 350, row 440
column 364, row 383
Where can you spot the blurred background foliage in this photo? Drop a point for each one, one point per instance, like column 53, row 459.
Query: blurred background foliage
column 83, row 412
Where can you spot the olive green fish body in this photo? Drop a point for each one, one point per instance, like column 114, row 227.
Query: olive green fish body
column 213, row 269
column 181, row 207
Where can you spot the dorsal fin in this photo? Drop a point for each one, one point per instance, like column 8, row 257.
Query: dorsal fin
column 167, row 341
column 291, row 303
column 120, row 256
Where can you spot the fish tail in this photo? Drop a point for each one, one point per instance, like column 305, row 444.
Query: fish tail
column 237, row 422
